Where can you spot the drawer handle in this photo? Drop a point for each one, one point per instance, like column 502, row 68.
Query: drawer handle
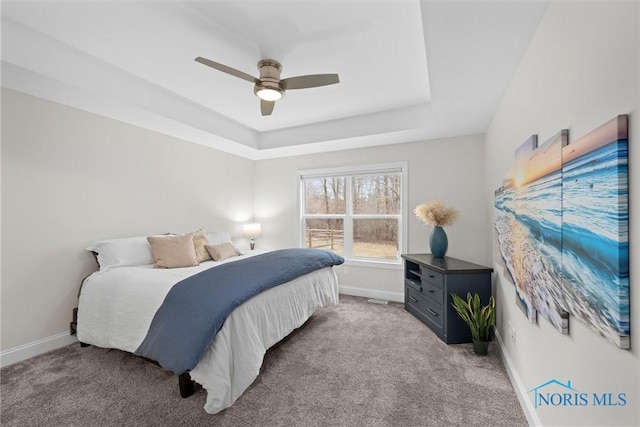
column 433, row 313
column 430, row 291
column 413, row 299
column 432, row 276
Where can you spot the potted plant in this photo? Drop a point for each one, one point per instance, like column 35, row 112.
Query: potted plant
column 479, row 318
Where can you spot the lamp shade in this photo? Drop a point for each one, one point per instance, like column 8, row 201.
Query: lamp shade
column 252, row 230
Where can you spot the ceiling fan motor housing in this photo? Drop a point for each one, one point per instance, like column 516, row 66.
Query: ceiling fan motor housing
column 269, row 77
column 269, row 68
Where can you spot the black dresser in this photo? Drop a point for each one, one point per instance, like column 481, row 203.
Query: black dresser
column 428, row 284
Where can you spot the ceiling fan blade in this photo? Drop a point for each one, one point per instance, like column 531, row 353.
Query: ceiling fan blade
column 313, row 80
column 226, row 69
column 266, row 107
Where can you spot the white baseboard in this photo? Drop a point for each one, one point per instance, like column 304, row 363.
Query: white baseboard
column 26, row 351
column 370, row 293
column 521, row 391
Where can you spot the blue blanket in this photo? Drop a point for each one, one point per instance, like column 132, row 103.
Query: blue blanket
column 195, row 309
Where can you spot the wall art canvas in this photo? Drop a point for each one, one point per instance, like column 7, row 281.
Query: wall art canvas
column 535, row 189
column 509, row 232
column 562, row 229
column 501, row 242
column 595, row 230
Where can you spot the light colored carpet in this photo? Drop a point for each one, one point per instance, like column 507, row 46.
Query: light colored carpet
column 357, row 364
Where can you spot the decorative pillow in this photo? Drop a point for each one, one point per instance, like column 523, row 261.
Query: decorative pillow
column 173, row 251
column 125, row 252
column 219, row 237
column 222, row 251
column 199, row 240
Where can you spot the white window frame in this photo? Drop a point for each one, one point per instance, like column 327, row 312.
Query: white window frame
column 347, row 172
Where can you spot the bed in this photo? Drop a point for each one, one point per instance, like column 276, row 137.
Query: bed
column 119, row 305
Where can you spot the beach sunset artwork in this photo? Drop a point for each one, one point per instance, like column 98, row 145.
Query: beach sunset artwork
column 595, row 230
column 530, row 228
column 562, row 229
column 509, row 232
column 500, row 243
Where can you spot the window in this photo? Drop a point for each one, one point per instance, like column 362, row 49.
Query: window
column 357, row 212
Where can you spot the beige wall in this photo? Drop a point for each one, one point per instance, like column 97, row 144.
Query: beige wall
column 70, row 178
column 580, row 70
column 450, row 169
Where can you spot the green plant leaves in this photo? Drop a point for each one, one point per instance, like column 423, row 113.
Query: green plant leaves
column 479, row 318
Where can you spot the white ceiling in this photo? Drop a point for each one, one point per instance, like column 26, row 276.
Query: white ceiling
column 409, row 70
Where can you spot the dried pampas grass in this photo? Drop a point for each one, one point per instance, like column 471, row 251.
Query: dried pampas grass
column 436, row 213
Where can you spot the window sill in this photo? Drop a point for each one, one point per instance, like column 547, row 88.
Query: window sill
column 390, row 265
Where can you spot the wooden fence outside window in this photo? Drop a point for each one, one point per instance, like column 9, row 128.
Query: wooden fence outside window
column 324, row 237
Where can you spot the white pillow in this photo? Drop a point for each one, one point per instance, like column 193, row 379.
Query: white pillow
column 122, row 252
column 219, row 237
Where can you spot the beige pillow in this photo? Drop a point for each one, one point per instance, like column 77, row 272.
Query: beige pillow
column 199, row 241
column 222, row 251
column 173, row 251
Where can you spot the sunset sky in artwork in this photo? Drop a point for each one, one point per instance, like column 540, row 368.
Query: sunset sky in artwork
column 531, row 164
column 534, row 161
column 614, row 130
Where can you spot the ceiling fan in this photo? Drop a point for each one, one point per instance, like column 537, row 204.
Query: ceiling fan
column 269, row 87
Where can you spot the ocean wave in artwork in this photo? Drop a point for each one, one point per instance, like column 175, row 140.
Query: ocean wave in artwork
column 564, row 240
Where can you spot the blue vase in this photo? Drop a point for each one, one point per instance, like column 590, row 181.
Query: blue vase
column 438, row 242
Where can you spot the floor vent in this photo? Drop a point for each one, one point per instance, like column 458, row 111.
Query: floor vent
column 378, row 301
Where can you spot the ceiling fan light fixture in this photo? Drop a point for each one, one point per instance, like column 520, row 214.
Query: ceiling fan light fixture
column 268, row 91
column 269, row 87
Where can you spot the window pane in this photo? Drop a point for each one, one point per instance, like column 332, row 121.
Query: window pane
column 324, row 196
column 376, row 194
column 325, row 234
column 375, row 238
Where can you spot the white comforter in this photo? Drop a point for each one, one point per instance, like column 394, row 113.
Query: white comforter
column 117, row 306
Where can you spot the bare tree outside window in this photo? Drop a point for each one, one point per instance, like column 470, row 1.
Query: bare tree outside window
column 376, row 194
column 369, row 203
column 324, row 196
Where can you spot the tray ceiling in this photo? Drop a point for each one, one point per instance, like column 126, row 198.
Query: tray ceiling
column 408, row 70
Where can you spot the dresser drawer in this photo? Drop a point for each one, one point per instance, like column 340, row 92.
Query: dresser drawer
column 433, row 277
column 434, row 292
column 413, row 284
column 431, row 310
